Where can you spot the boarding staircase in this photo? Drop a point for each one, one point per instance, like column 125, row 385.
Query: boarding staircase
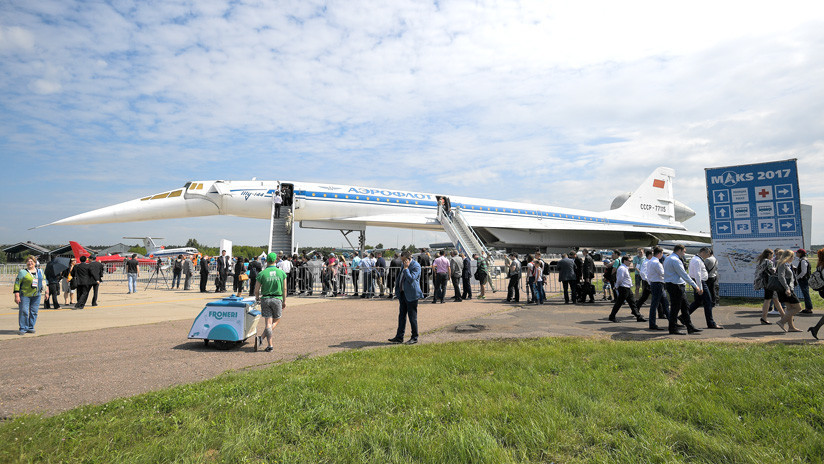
column 281, row 231
column 464, row 237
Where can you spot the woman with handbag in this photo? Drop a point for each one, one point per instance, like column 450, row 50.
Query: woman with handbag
column 820, row 268
column 783, row 283
column 763, row 271
column 68, row 284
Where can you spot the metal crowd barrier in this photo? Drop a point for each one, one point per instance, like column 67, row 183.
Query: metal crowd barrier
column 313, row 280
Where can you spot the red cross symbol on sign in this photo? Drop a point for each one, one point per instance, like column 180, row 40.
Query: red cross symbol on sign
column 764, row 193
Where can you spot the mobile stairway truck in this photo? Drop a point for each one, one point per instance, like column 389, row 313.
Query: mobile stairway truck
column 227, row 322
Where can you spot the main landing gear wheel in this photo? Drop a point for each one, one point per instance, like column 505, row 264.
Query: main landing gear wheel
column 205, row 342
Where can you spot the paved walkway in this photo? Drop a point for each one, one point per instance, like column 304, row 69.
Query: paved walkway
column 132, row 344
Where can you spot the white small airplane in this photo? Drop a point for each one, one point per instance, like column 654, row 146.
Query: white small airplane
column 154, row 251
column 643, row 218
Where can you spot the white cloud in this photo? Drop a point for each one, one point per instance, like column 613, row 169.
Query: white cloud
column 460, row 97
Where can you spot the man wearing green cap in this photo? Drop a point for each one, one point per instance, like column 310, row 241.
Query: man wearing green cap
column 270, row 294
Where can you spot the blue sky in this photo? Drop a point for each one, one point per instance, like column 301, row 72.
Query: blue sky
column 547, row 102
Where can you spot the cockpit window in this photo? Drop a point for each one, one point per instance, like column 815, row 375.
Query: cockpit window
column 160, row 195
column 176, row 193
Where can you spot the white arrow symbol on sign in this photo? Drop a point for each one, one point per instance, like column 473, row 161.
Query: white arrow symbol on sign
column 786, row 225
column 723, row 212
column 720, row 196
column 785, row 208
column 723, row 227
column 783, row 191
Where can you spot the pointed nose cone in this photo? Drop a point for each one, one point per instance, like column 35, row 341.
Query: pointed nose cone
column 168, row 205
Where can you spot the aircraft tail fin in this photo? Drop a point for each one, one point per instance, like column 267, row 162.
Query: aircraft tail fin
column 149, row 244
column 653, row 199
column 78, row 251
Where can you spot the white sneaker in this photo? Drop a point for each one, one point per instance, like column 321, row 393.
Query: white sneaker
column 773, row 313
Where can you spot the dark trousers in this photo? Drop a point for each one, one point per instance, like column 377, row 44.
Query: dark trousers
column 252, row 284
column 456, row 284
column 805, row 290
column 712, row 284
column 513, row 290
column 54, row 291
column 176, row 279
column 277, row 210
column 678, row 304
column 82, row 295
column 645, row 293
column 467, row 288
column 574, row 290
column 203, row 279
column 440, row 286
column 625, row 295
column 94, row 290
column 221, row 281
column 659, row 303
column 706, row 300
column 407, row 309
column 355, row 275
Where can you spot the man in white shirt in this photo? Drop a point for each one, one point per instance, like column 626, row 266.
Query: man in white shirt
column 623, row 284
column 698, row 273
column 641, row 271
column 654, row 273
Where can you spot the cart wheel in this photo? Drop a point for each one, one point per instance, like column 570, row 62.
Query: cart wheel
column 257, row 343
column 205, row 342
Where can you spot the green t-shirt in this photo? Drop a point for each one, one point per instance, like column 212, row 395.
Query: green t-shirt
column 271, row 282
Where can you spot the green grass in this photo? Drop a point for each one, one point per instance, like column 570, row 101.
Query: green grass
column 546, row 400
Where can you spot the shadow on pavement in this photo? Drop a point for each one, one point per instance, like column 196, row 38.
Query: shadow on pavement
column 357, row 344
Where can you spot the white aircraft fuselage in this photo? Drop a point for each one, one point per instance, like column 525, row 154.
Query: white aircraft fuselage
column 645, row 218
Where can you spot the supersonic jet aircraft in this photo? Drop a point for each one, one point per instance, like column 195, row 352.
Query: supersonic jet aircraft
column 648, row 215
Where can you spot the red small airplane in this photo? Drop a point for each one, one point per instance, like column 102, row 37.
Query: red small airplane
column 79, row 251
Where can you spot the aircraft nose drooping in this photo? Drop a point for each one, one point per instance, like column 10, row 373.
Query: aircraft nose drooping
column 188, row 201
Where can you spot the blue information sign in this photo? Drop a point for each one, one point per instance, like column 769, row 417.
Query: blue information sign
column 751, row 207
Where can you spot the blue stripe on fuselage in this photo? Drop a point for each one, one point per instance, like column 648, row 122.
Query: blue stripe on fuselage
column 427, row 204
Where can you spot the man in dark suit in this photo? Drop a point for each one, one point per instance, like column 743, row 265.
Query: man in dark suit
column 426, row 269
column 566, row 275
column 54, row 284
column 82, row 274
column 97, row 273
column 222, row 271
column 466, row 276
column 408, row 291
column 204, row 273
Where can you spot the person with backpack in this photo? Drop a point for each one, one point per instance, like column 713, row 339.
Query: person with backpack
column 763, row 270
column 802, row 273
column 785, row 276
column 537, row 280
column 588, row 275
column 177, row 270
column 817, row 283
column 513, row 290
column 481, row 274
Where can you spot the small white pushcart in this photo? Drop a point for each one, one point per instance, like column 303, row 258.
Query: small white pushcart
column 227, row 322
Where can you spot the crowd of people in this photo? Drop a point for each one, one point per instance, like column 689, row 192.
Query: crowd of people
column 658, row 279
